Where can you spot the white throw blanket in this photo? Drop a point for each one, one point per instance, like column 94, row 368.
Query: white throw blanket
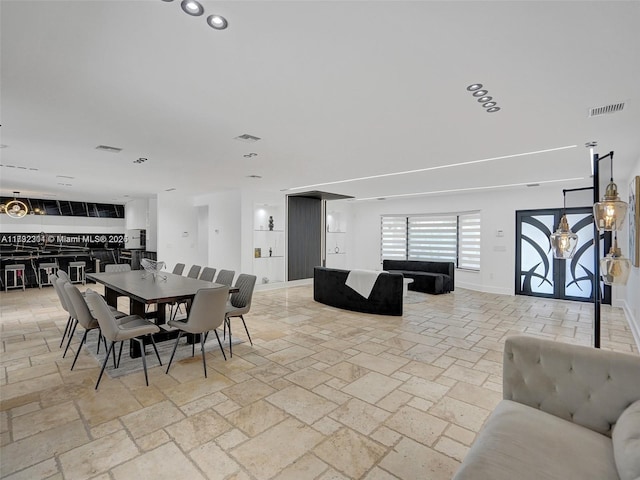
column 362, row 281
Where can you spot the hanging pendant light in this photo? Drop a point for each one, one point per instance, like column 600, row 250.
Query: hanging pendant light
column 563, row 241
column 614, row 267
column 609, row 214
column 15, row 208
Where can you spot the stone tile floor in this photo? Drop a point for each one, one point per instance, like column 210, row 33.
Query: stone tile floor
column 323, row 393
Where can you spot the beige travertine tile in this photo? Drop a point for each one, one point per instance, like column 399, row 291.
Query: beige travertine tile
column 166, row 461
column 302, row 404
column 410, row 460
column 416, row 388
column 98, row 456
column 259, row 456
column 349, row 452
column 198, row 429
column 371, row 387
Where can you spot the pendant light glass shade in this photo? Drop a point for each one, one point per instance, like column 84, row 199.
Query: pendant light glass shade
column 610, row 213
column 563, row 241
column 614, row 267
column 16, row 209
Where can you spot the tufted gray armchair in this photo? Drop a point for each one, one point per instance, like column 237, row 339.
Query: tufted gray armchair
column 569, row 412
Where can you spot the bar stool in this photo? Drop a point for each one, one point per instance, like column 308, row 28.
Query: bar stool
column 79, row 272
column 18, row 272
column 49, row 269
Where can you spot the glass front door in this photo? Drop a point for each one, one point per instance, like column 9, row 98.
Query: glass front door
column 538, row 273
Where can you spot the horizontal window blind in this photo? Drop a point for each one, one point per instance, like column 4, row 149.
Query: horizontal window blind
column 440, row 238
column 432, row 238
column 469, row 241
column 393, row 238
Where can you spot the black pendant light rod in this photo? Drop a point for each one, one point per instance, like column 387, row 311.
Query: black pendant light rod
column 596, row 252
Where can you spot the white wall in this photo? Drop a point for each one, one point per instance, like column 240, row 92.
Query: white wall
column 497, row 208
column 224, row 230
column 631, row 296
column 177, row 230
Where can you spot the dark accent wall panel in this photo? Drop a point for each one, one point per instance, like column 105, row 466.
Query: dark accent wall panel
column 304, row 227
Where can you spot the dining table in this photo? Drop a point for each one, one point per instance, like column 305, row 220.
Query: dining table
column 144, row 289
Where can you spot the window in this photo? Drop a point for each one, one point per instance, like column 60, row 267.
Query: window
column 445, row 238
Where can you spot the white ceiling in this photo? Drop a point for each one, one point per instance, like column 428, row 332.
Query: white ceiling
column 334, row 89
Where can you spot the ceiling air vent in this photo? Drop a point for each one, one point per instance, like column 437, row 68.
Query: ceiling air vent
column 613, row 108
column 247, row 138
column 107, row 148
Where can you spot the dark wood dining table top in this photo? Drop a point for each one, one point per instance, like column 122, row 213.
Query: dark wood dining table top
column 142, row 287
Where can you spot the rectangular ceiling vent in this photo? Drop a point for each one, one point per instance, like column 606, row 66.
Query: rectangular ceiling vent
column 613, row 108
column 107, row 148
column 247, row 138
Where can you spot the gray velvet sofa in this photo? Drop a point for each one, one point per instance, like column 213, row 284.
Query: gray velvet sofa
column 569, row 412
column 428, row 277
column 385, row 298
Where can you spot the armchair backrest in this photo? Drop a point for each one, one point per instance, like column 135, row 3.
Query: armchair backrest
column 587, row 386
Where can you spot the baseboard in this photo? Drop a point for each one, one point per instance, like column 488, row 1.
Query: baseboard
column 279, row 285
column 478, row 287
column 634, row 323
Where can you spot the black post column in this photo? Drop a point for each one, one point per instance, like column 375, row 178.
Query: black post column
column 596, row 256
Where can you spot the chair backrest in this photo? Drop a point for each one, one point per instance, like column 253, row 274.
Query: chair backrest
column 246, row 284
column 178, row 269
column 59, row 284
column 61, row 296
column 63, row 275
column 225, row 277
column 83, row 314
column 101, row 312
column 194, row 271
column 208, row 309
column 207, row 274
column 117, row 267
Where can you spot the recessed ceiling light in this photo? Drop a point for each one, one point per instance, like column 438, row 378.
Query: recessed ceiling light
column 485, row 99
column 65, row 176
column 493, row 109
column 140, row 160
column 474, row 86
column 480, row 93
column 245, row 137
column 169, row 189
column 250, row 155
column 192, row 7
column 489, row 104
column 217, row 22
column 254, row 176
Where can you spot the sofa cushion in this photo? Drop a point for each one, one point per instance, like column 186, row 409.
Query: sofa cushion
column 521, row 442
column 626, row 443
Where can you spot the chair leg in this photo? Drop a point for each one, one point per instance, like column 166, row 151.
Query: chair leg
column 193, row 346
column 204, row 363
column 228, row 322
column 246, row 329
column 220, row 343
column 174, row 351
column 84, row 339
column 66, row 330
column 104, row 364
column 120, row 354
column 144, row 359
column 99, row 340
column 155, row 348
column 73, row 330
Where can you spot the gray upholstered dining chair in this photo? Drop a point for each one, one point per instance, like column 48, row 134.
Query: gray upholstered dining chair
column 178, row 269
column 82, row 315
column 194, row 271
column 132, row 327
column 206, row 314
column 239, row 304
column 63, row 302
column 117, row 267
column 225, row 277
column 208, row 274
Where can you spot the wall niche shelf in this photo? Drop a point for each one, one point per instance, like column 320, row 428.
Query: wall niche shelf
column 265, row 239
